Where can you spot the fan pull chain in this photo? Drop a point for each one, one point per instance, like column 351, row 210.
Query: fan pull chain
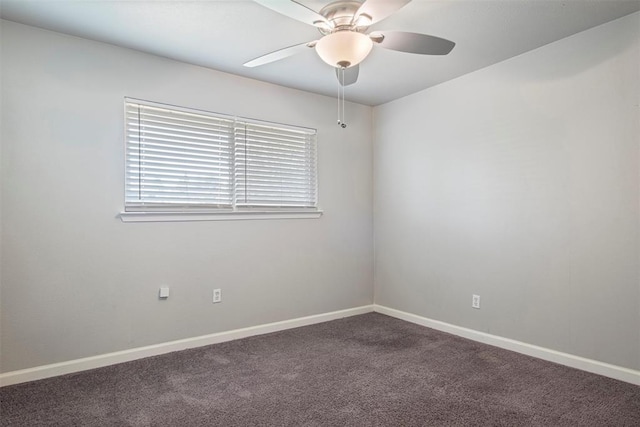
column 341, row 122
column 340, row 74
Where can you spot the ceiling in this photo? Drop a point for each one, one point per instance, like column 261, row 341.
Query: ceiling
column 224, row 34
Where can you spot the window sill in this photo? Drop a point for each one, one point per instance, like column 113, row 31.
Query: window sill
column 215, row 216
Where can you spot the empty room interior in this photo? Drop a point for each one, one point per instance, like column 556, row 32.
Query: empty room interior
column 320, row 213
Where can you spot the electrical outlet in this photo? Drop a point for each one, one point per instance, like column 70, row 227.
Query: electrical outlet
column 217, row 295
column 163, row 293
column 475, row 301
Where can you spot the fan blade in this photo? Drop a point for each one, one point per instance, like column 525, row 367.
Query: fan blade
column 377, row 10
column 279, row 54
column 350, row 75
column 412, row 42
column 296, row 11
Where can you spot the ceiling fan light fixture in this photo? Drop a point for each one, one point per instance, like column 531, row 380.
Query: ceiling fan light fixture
column 344, row 49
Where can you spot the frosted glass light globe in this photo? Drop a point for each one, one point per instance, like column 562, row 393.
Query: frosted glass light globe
column 344, row 48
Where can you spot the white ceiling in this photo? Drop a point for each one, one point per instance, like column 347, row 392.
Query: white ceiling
column 224, row 34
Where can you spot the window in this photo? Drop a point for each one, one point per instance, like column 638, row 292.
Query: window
column 181, row 162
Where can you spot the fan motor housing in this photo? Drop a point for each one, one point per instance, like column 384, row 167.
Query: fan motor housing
column 341, row 15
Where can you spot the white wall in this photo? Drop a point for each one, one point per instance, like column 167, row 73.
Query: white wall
column 520, row 183
column 77, row 282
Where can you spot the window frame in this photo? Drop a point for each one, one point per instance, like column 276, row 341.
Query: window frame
column 192, row 212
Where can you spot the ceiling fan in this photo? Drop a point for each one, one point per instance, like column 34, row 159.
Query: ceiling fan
column 345, row 41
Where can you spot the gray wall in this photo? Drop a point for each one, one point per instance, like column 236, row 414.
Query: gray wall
column 78, row 282
column 519, row 183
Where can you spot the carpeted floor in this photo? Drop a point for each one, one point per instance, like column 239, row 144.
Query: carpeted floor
column 369, row 370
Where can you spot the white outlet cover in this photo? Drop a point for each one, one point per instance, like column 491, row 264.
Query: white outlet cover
column 164, row 292
column 475, row 301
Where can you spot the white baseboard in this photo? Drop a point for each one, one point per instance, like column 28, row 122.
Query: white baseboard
column 78, row 365
column 589, row 365
column 71, row 366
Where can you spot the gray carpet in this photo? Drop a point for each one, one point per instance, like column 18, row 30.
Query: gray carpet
column 369, row 370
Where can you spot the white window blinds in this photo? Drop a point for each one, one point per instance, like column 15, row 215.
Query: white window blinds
column 180, row 160
column 274, row 166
